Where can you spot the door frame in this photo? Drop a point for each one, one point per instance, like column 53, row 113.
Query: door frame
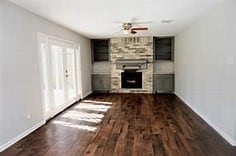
column 44, row 38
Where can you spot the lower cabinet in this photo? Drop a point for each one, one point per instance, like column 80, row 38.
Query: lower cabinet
column 164, row 83
column 101, row 82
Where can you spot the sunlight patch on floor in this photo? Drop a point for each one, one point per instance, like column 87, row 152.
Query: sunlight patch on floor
column 83, row 116
column 68, row 124
column 84, row 111
column 90, row 106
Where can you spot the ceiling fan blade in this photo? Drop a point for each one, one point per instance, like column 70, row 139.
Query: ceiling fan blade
column 145, row 28
column 133, row 32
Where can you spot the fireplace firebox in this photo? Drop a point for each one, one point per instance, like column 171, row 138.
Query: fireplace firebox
column 131, row 79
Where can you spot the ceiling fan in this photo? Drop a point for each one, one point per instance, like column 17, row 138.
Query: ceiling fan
column 128, row 28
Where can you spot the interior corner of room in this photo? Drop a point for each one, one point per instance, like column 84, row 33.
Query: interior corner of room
column 47, row 66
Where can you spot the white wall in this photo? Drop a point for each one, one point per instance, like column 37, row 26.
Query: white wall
column 19, row 68
column 86, row 66
column 205, row 62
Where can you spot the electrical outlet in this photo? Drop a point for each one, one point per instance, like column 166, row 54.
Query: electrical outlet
column 28, row 115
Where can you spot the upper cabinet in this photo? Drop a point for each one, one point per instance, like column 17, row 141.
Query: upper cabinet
column 100, row 50
column 164, row 48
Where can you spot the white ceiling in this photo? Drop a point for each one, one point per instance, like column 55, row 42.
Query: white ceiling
column 96, row 18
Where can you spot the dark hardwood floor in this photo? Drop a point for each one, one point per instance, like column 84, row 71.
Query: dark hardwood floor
column 125, row 124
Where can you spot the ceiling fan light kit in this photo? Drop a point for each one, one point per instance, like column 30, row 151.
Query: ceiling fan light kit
column 128, row 28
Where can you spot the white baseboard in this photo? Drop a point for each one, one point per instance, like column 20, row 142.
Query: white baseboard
column 219, row 130
column 85, row 95
column 20, row 136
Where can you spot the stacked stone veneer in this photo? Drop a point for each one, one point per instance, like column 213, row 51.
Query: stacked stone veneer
column 132, row 48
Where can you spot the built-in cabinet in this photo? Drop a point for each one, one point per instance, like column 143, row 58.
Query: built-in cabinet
column 164, row 57
column 100, row 50
column 101, row 82
column 163, row 83
column 164, row 48
column 100, row 56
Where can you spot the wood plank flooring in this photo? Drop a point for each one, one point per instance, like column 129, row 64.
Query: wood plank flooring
column 124, row 125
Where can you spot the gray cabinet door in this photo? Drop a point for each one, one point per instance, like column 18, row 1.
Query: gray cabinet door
column 164, row 48
column 164, row 83
column 100, row 82
column 100, row 50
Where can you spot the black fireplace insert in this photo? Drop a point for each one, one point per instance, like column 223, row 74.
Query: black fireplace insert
column 131, row 79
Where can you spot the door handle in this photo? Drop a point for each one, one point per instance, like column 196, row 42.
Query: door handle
column 67, row 75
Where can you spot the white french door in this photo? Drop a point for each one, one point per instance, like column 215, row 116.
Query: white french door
column 59, row 75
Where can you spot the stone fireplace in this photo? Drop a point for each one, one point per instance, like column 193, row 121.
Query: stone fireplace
column 135, row 75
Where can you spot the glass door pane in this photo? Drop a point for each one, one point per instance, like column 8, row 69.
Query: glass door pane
column 70, row 73
column 57, row 75
column 45, row 77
